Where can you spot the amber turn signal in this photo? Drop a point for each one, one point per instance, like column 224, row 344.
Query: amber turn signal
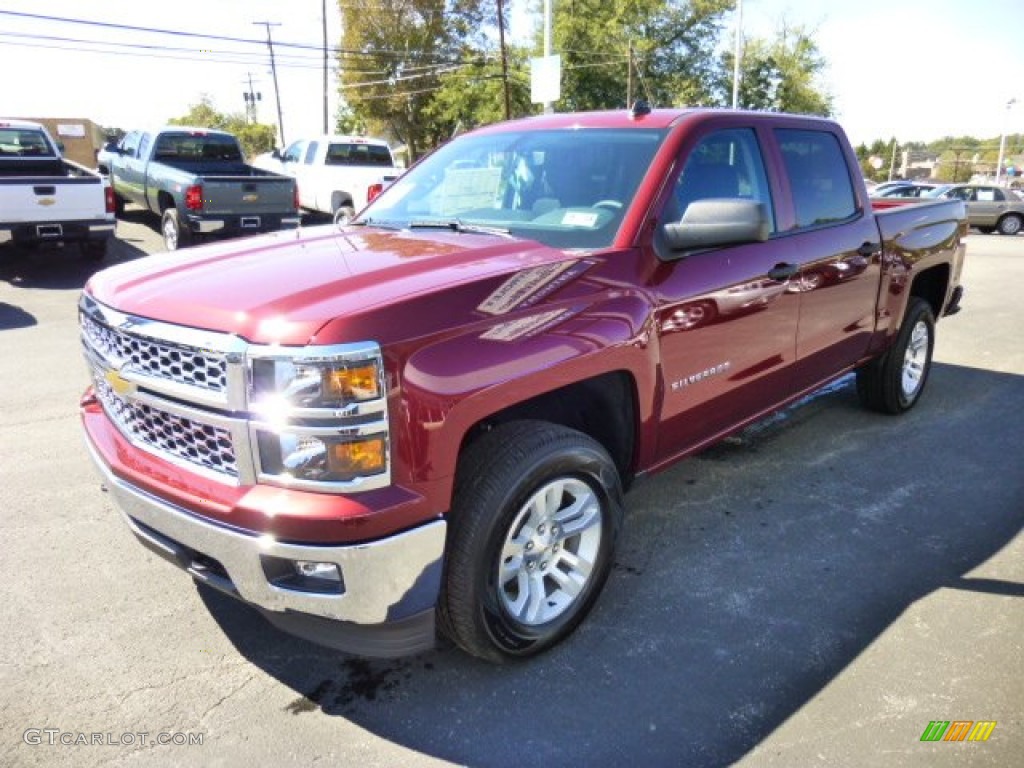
column 360, row 457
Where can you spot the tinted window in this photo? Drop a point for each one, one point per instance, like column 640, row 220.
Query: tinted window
column 724, row 164
column 358, row 154
column 310, row 153
column 818, row 175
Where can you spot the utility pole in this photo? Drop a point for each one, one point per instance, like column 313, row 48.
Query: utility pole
column 629, row 77
column 324, row 5
column 737, row 55
column 251, row 97
column 549, row 107
column 1002, row 142
column 273, row 71
column 504, row 57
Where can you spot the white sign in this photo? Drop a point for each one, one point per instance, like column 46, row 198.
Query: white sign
column 72, row 131
column 546, row 79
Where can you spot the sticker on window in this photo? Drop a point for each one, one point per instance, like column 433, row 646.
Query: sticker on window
column 579, row 219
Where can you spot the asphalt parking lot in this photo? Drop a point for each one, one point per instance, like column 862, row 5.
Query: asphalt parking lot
column 812, row 592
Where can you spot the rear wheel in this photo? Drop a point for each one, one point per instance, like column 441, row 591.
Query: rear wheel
column 894, row 382
column 536, row 514
column 1010, row 224
column 175, row 234
column 344, row 214
column 118, row 206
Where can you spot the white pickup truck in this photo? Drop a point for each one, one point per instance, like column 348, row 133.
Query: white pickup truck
column 337, row 175
column 45, row 197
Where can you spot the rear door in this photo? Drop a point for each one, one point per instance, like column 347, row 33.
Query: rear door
column 832, row 239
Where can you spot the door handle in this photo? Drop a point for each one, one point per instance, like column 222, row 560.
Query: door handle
column 869, row 249
column 782, row 272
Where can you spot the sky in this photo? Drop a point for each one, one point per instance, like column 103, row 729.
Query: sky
column 916, row 70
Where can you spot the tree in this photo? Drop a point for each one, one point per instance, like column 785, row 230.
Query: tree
column 673, row 47
column 780, row 75
column 394, row 54
column 255, row 138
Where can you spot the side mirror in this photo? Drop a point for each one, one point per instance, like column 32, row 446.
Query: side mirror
column 275, row 153
column 718, row 222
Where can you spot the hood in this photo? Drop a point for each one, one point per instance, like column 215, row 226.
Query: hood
column 284, row 287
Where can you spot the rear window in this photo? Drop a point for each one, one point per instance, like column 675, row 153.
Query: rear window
column 24, row 142
column 819, row 177
column 193, row 147
column 358, row 154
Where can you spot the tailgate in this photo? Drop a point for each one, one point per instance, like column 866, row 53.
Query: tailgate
column 247, row 195
column 31, row 199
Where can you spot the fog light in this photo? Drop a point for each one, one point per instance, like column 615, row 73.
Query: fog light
column 310, row 569
column 304, row 575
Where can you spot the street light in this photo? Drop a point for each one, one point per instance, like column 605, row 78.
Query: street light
column 1002, row 141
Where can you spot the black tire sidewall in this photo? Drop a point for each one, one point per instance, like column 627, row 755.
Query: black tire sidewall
column 515, row 638
column 496, row 634
column 920, row 312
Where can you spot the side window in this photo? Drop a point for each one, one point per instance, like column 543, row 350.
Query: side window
column 294, row 152
column 130, row 144
column 310, row 153
column 988, row 194
column 818, row 176
column 144, row 145
column 725, row 164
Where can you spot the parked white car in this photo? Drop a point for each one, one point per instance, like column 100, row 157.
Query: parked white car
column 337, row 175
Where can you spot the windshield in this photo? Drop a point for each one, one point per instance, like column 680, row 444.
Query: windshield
column 564, row 188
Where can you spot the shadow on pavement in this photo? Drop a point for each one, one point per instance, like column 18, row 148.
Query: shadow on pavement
column 749, row 577
column 59, row 267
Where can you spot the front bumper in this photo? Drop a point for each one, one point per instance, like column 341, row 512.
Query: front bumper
column 389, row 586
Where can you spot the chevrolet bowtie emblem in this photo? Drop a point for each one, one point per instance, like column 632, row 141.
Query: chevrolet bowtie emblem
column 120, row 385
column 45, row 201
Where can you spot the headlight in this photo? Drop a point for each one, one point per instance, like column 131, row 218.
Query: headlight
column 320, row 416
column 321, row 458
column 315, row 383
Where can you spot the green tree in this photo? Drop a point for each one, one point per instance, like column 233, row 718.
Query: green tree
column 781, row 74
column 394, row 55
column 673, row 51
column 255, row 138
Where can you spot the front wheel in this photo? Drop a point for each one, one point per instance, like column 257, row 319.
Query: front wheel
column 535, row 517
column 1010, row 224
column 894, row 382
column 175, row 234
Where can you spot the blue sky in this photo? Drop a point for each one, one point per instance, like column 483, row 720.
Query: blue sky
column 913, row 69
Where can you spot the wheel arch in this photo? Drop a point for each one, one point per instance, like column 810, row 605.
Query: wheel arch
column 604, row 407
column 932, row 285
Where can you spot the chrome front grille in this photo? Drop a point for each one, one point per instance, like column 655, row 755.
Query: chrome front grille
column 170, row 434
column 176, row 363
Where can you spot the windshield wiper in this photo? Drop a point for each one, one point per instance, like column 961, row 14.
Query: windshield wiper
column 457, row 225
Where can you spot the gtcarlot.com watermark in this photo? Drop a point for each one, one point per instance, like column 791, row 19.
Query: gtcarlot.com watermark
column 53, row 737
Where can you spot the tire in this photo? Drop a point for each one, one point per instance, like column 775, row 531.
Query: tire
column 93, row 250
column 894, row 382
column 174, row 233
column 1010, row 224
column 344, row 214
column 118, row 206
column 516, row 582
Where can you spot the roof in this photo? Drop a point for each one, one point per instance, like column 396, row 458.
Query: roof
column 24, row 124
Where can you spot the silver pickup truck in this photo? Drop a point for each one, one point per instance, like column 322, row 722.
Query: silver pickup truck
column 197, row 181
column 47, row 198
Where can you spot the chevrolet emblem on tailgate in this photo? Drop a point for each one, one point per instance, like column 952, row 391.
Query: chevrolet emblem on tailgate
column 45, row 201
column 250, row 198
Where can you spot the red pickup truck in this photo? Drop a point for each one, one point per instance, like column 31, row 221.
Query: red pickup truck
column 426, row 419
